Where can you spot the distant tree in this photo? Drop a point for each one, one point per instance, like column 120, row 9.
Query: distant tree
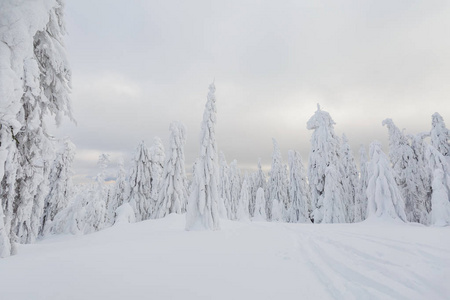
column 384, row 197
column 325, row 152
column 243, row 213
column 202, row 212
column 361, row 195
column 278, row 182
column 140, row 183
column 260, row 206
column 334, row 210
column 235, row 189
column 173, row 193
column 61, row 186
column 300, row 207
column 438, row 163
column 119, row 193
column 407, row 174
column 440, row 135
column 259, row 181
column 349, row 179
column 157, row 156
column 96, row 206
column 440, row 215
column 224, row 188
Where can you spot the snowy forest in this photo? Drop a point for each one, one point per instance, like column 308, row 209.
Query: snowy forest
column 341, row 223
column 410, row 184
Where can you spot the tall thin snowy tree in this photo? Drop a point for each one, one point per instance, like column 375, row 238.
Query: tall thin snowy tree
column 384, row 197
column 300, row 207
column 325, row 152
column 259, row 181
column 173, row 192
column 278, row 182
column 119, row 193
column 202, row 212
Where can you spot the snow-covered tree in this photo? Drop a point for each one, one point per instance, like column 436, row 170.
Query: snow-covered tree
column 440, row 214
column 5, row 245
column 406, row 169
column 35, row 83
column 277, row 211
column 440, row 135
column 235, row 189
column 97, row 196
column 325, row 152
column 278, row 182
column 61, row 186
column 224, row 188
column 119, row 193
column 349, row 179
column 334, row 210
column 440, row 167
column 202, row 211
column 383, row 195
column 173, row 192
column 300, row 207
column 243, row 213
column 361, row 195
column 259, row 181
column 157, row 156
column 260, row 206
column 140, row 183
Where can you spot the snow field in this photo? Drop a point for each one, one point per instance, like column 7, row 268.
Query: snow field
column 158, row 259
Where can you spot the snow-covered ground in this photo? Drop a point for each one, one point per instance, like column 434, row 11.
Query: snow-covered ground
column 158, row 259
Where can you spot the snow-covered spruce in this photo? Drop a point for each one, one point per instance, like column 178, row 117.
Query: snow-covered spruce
column 202, row 209
column 224, row 188
column 35, row 83
column 325, row 151
column 157, row 157
column 61, row 186
column 259, row 181
column 406, row 166
column 300, row 208
column 95, row 218
column 383, row 196
column 440, row 186
column 140, row 183
column 349, row 179
column 173, row 192
column 235, row 189
column 278, row 182
column 243, row 213
column 361, row 195
column 333, row 201
column 440, row 215
column 260, row 206
column 440, row 135
column 118, row 194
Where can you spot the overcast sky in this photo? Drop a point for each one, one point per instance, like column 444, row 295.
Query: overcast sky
column 139, row 65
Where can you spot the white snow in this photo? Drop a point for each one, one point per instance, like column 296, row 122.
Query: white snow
column 159, row 259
